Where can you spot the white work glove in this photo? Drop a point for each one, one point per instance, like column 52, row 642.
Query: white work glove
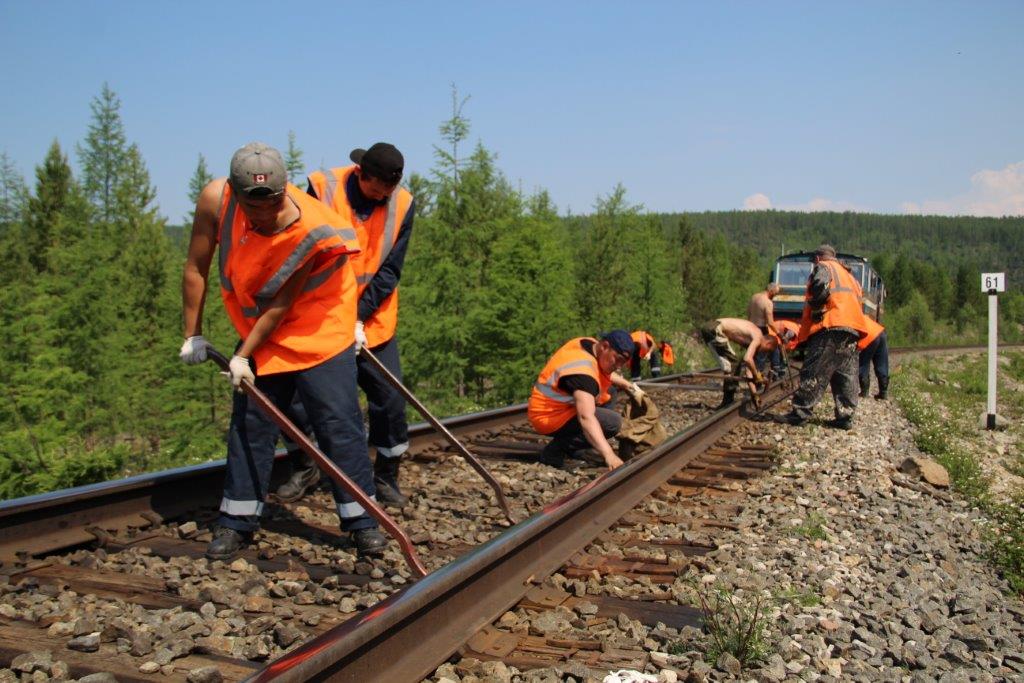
column 360, row 336
column 193, row 350
column 238, row 369
column 636, row 392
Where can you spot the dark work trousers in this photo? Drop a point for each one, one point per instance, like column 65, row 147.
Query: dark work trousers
column 876, row 352
column 328, row 394
column 830, row 359
column 569, row 438
column 654, row 362
column 385, row 407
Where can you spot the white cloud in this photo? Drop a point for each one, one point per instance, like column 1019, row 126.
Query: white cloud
column 992, row 193
column 757, row 202
column 761, row 202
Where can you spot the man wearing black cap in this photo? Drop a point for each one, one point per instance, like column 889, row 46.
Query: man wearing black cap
column 367, row 194
column 568, row 397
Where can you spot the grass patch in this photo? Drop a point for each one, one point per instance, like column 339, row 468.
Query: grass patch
column 797, row 597
column 813, row 527
column 734, row 624
column 943, row 404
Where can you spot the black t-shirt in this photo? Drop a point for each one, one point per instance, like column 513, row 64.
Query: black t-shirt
column 571, row 383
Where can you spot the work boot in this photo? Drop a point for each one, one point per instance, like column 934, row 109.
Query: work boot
column 865, row 387
column 844, row 423
column 226, row 543
column 301, row 481
column 385, row 480
column 728, row 397
column 369, row 542
column 794, row 418
column 883, row 389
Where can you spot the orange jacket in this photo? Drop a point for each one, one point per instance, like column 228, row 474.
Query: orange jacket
column 668, row 357
column 253, row 267
column 644, row 342
column 874, row 329
column 843, row 307
column 377, row 235
column 549, row 407
column 793, row 327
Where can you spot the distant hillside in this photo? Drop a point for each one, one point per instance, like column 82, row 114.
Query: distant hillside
column 991, row 244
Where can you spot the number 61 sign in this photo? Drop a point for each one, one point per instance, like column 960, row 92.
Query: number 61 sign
column 993, row 282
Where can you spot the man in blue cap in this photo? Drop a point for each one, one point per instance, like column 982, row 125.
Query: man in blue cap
column 568, row 398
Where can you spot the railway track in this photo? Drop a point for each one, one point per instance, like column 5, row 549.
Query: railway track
column 133, row 550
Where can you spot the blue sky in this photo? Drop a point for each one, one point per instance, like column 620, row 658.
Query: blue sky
column 874, row 106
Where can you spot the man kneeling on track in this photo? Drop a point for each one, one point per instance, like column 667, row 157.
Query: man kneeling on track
column 290, row 292
column 718, row 333
column 568, row 398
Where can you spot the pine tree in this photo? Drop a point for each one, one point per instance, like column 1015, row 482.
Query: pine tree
column 104, row 152
column 293, row 161
column 13, row 194
column 200, row 179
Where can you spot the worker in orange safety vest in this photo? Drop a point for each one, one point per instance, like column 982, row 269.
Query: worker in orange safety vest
column 645, row 350
column 569, row 397
column 368, row 195
column 874, row 349
column 832, row 323
column 290, row 291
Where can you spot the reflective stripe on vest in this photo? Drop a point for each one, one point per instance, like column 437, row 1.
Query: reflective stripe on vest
column 388, row 240
column 550, row 388
column 225, row 242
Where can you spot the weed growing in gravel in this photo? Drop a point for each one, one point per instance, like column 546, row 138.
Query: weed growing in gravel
column 734, row 624
column 813, row 527
column 962, row 392
column 801, row 598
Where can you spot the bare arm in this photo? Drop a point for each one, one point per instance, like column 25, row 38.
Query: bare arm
column 621, row 382
column 275, row 312
column 586, row 411
column 200, row 253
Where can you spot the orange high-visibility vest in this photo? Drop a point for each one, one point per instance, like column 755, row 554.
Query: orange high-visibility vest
column 843, row 307
column 793, row 327
column 668, row 357
column 644, row 342
column 874, row 329
column 377, row 235
column 549, row 407
column 253, row 268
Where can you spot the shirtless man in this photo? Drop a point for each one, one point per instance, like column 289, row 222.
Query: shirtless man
column 718, row 333
column 761, row 312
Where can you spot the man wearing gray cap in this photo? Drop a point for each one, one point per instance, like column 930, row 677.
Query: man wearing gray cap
column 290, row 291
column 831, row 326
column 367, row 195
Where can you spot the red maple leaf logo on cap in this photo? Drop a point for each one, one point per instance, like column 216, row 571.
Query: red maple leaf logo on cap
column 259, row 178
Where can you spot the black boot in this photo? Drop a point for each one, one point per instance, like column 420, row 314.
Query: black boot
column 385, row 480
column 728, row 397
column 883, row 389
column 865, row 386
column 226, row 543
column 305, row 475
column 369, row 542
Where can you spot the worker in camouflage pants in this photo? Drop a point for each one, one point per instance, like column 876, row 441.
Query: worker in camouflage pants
column 831, row 325
column 830, row 359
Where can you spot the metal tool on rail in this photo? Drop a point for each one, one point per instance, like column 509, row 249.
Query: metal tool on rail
column 328, row 467
column 473, row 461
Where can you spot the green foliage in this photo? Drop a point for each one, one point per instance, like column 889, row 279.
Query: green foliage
column 201, row 177
column 293, row 160
column 733, row 623
column 813, row 528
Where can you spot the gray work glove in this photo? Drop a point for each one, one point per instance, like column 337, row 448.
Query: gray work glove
column 193, row 350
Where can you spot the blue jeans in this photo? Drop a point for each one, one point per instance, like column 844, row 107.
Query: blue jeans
column 328, row 394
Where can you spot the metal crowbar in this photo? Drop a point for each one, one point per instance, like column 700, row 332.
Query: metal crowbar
column 325, row 464
column 473, row 461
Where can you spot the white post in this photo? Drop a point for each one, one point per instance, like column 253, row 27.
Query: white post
column 991, row 284
column 993, row 319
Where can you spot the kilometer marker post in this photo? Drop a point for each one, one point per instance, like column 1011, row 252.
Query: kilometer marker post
column 992, row 284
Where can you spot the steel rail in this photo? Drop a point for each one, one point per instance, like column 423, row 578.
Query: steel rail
column 406, row 636
column 50, row 522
